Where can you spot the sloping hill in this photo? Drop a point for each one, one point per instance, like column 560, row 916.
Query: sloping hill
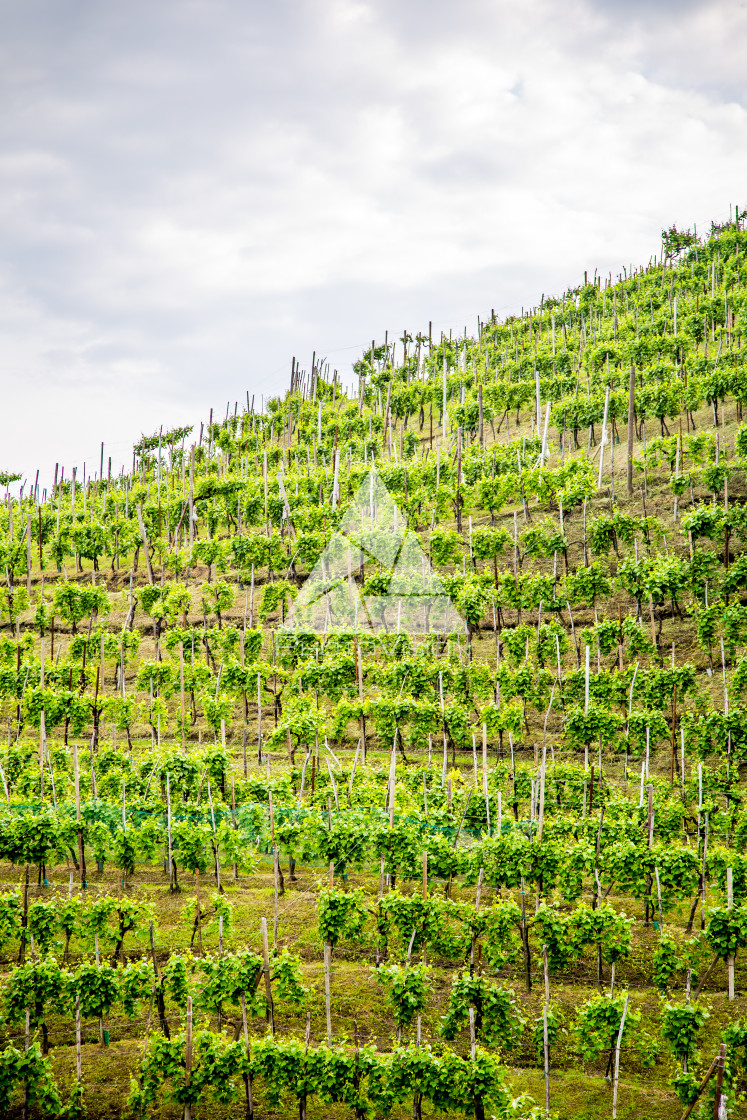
column 490, row 848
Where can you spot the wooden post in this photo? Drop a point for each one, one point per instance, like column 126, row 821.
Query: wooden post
column 101, row 1017
column 480, row 417
column 327, row 972
column 703, row 874
column 541, row 815
column 172, row 885
column 124, row 821
column 303, row 778
column 146, row 547
column 617, row 1057
column 81, row 846
column 387, row 427
column 603, row 438
column 247, row 1077
column 354, row 767
column 359, row 667
column 28, row 551
column 78, row 1048
column 198, row 912
column 259, row 718
column 266, row 971
column 719, row 1083
column 485, row 792
column 275, row 877
column 658, row 896
column 474, row 935
column 586, row 704
column 215, row 839
column 181, row 693
column 674, row 732
column 730, row 904
column 5, row 784
column 708, row 1075
column 653, row 624
column 42, row 731
column 545, row 1041
column 188, row 1056
column 444, row 416
column 586, row 683
column 631, row 427
column 158, row 989
column 233, row 821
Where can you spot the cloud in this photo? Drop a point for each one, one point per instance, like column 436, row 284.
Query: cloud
column 192, row 193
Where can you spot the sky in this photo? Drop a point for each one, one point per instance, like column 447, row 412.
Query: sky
column 193, row 192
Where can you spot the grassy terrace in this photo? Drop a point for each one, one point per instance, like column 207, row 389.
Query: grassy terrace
column 155, row 602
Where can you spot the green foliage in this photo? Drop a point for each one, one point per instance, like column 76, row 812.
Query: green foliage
column 36, row 988
column 498, row 1020
column 173, row 672
column 680, row 1025
column 726, row 929
column 583, row 729
column 406, row 990
column 538, row 1033
column 446, row 547
column 341, row 915
column 192, row 845
column 97, row 986
column 598, row 1025
column 27, row 1074
column 667, row 963
column 277, row 595
column 73, row 602
column 288, row 978
column 217, row 1069
column 217, row 598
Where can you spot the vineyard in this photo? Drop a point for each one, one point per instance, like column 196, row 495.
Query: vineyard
column 270, row 844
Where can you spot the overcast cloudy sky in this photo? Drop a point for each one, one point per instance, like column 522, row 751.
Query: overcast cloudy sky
column 194, row 191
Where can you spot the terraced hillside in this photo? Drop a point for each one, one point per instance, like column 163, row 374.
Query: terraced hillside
column 258, row 858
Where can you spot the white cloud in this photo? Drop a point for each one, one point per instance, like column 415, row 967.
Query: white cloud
column 192, row 193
